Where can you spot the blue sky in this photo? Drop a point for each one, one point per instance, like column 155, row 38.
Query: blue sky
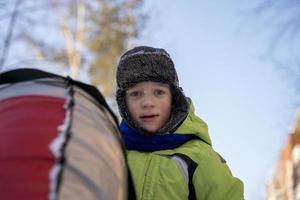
column 247, row 103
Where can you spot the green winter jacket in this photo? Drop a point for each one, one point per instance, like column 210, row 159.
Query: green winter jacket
column 193, row 169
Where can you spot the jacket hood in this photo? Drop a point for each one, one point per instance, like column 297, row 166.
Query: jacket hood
column 194, row 125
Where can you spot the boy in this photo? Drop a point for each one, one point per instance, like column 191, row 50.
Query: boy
column 169, row 149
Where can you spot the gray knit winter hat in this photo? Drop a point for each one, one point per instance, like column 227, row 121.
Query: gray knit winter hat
column 150, row 64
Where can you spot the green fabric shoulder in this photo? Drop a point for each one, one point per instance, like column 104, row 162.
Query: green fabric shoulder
column 194, row 125
column 213, row 179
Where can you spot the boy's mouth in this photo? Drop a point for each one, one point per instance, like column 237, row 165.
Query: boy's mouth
column 148, row 117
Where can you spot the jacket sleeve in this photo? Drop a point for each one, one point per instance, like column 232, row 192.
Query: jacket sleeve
column 213, row 180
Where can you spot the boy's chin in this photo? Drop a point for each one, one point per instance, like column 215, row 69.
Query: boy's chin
column 151, row 130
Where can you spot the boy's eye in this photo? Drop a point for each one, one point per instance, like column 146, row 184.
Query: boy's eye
column 135, row 94
column 159, row 92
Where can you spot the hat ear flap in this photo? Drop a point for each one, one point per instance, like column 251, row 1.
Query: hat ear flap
column 179, row 111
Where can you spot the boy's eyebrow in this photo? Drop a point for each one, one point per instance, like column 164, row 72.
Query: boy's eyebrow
column 131, row 90
column 163, row 84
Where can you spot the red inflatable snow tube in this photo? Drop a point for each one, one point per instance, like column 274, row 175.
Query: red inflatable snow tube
column 28, row 124
column 58, row 140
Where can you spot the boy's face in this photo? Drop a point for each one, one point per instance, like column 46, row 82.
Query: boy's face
column 149, row 103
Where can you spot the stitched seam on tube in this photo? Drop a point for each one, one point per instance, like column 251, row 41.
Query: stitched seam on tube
column 59, row 144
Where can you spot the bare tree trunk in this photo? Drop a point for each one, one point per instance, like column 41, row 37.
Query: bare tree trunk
column 9, row 33
column 74, row 41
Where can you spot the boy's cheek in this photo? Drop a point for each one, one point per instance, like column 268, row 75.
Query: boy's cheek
column 166, row 106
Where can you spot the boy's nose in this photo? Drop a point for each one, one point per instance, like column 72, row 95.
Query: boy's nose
column 147, row 102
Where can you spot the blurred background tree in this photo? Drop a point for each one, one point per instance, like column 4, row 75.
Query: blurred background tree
column 279, row 20
column 84, row 36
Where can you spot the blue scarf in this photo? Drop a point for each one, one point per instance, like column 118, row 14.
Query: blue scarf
column 147, row 143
